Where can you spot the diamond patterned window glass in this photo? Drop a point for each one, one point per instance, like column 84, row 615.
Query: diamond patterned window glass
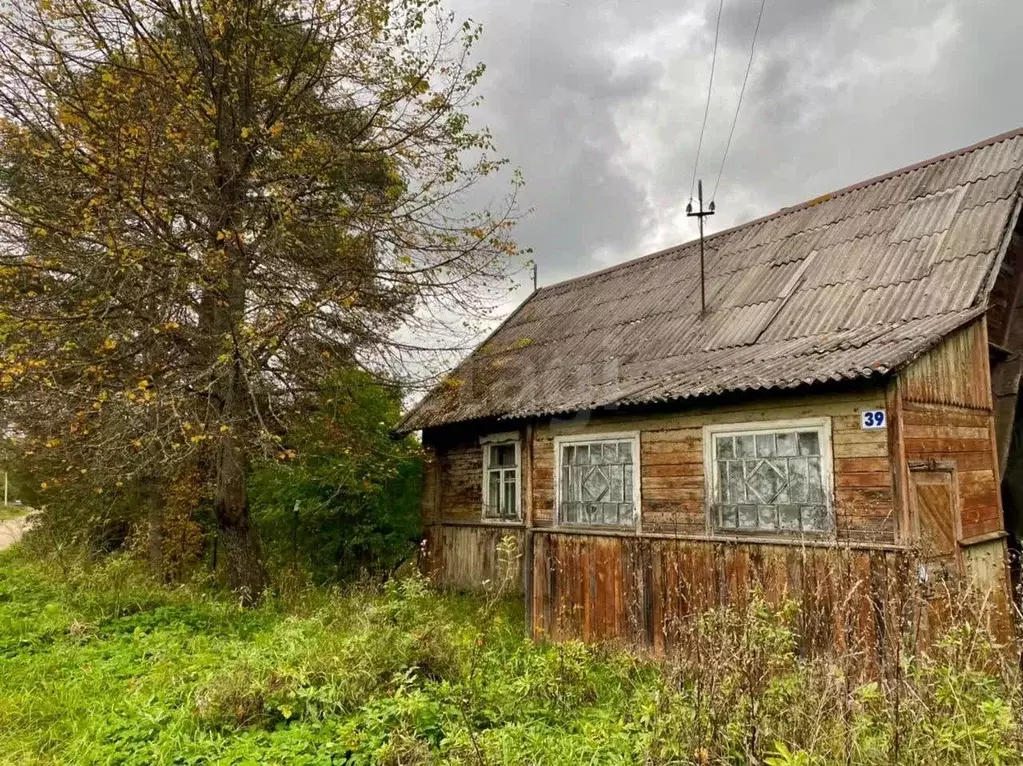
column 772, row 481
column 596, row 483
column 500, row 481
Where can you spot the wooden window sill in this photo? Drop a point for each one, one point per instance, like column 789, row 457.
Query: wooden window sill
column 470, row 523
column 792, row 542
column 987, row 537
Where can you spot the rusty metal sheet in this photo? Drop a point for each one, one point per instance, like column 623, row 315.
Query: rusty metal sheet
column 898, row 262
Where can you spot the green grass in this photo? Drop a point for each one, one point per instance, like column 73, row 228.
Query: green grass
column 13, row 512
column 100, row 665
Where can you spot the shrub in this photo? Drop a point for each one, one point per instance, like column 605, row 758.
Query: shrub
column 343, row 495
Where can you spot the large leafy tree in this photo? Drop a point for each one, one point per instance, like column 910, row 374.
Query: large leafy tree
column 206, row 207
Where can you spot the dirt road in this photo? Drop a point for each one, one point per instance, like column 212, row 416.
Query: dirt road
column 11, row 531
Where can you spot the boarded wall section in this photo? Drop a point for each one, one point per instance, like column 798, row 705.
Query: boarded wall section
column 460, row 552
column 647, row 592
column 954, row 373
column 455, row 491
column 964, row 439
column 947, row 418
column 466, row 558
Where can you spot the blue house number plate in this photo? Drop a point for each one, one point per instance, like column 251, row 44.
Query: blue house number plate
column 873, row 419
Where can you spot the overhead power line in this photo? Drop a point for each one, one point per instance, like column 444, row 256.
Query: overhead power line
column 738, row 106
column 706, row 109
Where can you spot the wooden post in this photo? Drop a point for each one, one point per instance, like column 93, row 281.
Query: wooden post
column 527, row 516
column 294, row 536
column 897, row 456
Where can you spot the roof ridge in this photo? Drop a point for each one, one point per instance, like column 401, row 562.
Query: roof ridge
column 1007, row 135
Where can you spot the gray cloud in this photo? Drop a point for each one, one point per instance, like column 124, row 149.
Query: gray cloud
column 600, row 103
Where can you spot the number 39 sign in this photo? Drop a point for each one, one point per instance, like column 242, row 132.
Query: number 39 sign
column 871, row 419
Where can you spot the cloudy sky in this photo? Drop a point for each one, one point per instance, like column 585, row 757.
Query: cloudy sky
column 599, row 102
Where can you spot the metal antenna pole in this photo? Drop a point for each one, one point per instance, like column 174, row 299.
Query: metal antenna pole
column 700, row 215
column 534, row 276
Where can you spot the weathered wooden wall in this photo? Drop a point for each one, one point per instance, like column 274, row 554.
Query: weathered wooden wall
column 1005, row 332
column 854, row 600
column 465, row 557
column 455, row 468
column 944, row 412
column 671, row 470
column 644, row 591
column 955, row 372
column 1004, row 302
column 964, row 439
column 637, row 587
column 947, row 416
column 672, row 462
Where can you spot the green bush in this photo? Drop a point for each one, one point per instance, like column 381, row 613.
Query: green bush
column 343, row 494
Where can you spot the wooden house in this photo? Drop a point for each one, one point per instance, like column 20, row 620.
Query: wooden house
column 836, row 420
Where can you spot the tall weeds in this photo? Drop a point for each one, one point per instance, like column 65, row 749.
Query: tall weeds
column 740, row 692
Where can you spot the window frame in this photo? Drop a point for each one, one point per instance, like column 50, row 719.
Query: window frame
column 821, row 424
column 486, row 442
column 589, row 438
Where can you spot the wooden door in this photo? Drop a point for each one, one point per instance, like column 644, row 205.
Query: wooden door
column 935, row 507
column 936, row 517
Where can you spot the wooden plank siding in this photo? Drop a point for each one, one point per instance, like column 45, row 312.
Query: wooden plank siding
column 948, row 416
column 964, row 439
column 956, row 372
column 457, row 489
column 671, row 466
column 465, row 557
column 1006, row 333
column 645, row 592
column 672, row 461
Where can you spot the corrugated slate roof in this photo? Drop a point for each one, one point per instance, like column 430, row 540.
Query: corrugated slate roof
column 850, row 285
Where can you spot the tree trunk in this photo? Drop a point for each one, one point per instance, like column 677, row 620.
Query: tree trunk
column 239, row 551
column 242, row 566
column 239, row 548
column 155, row 518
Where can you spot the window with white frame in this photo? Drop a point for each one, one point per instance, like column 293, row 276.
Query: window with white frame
column 770, row 477
column 598, row 480
column 501, row 499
